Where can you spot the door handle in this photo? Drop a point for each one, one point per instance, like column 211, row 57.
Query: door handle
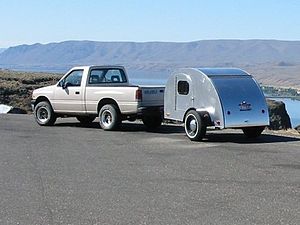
column 77, row 92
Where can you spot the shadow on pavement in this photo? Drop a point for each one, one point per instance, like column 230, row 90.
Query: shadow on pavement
column 211, row 135
column 127, row 127
column 240, row 138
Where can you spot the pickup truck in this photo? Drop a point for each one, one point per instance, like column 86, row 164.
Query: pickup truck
column 87, row 92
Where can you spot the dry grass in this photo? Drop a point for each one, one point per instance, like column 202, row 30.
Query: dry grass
column 16, row 87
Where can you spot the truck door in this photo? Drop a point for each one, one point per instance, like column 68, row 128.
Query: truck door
column 183, row 94
column 68, row 96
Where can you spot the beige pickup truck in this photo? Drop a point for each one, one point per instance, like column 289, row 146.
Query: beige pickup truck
column 87, row 92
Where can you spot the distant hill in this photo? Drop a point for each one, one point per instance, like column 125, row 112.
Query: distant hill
column 2, row 49
column 206, row 53
column 261, row 56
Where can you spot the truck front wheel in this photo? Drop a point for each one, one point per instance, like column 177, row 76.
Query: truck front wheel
column 253, row 132
column 109, row 117
column 194, row 126
column 43, row 114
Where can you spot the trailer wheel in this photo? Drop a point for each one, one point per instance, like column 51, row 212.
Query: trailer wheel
column 253, row 132
column 152, row 121
column 194, row 126
column 109, row 117
column 43, row 114
column 85, row 119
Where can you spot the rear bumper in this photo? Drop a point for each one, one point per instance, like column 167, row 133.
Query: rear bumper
column 150, row 110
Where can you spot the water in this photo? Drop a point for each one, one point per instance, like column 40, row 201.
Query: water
column 147, row 77
column 293, row 108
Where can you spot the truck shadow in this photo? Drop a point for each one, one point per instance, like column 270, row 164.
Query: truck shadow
column 127, row 127
column 163, row 129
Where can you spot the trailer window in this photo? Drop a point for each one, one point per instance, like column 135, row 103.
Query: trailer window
column 183, row 87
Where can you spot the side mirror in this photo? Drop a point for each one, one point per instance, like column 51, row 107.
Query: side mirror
column 61, row 84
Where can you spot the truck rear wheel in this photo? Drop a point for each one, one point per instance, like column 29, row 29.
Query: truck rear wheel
column 109, row 117
column 43, row 114
column 253, row 132
column 152, row 121
column 85, row 119
column 194, row 126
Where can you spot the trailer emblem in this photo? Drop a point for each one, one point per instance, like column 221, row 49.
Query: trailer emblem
column 244, row 106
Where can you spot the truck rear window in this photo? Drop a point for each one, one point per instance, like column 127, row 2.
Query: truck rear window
column 100, row 76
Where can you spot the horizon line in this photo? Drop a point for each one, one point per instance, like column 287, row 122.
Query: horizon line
column 150, row 41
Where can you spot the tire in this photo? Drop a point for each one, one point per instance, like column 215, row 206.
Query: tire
column 109, row 117
column 85, row 119
column 253, row 132
column 194, row 126
column 43, row 114
column 152, row 121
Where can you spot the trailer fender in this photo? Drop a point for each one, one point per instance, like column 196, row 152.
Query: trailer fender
column 204, row 115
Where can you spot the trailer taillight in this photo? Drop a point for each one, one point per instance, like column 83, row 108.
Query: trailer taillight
column 139, row 94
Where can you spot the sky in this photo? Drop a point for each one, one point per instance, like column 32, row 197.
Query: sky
column 45, row 21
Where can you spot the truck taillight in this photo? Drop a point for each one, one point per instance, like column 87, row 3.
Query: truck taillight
column 139, row 94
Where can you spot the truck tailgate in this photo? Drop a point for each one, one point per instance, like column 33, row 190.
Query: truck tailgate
column 152, row 96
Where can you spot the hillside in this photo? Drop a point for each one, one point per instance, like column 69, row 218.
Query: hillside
column 273, row 62
column 208, row 53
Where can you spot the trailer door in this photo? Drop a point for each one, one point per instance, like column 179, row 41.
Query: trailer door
column 183, row 94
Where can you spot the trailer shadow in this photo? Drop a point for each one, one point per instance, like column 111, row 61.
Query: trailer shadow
column 240, row 138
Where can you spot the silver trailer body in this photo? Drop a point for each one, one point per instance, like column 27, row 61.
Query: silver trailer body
column 230, row 97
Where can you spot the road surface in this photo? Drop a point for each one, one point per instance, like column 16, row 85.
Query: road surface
column 74, row 174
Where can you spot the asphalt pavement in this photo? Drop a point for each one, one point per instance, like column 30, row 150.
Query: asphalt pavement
column 75, row 174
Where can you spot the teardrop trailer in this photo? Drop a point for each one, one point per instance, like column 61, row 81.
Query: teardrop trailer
column 217, row 97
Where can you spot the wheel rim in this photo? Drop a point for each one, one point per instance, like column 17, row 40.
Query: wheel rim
column 106, row 118
column 191, row 126
column 42, row 114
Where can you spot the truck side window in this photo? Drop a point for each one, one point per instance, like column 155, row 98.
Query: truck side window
column 183, row 87
column 74, row 78
column 99, row 76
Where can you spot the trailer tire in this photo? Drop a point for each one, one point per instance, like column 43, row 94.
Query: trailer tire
column 85, row 119
column 253, row 132
column 44, row 114
column 194, row 126
column 109, row 117
column 152, row 121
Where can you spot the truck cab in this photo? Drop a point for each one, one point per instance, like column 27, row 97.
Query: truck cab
column 86, row 91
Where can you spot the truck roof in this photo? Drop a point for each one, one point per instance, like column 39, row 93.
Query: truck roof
column 100, row 66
